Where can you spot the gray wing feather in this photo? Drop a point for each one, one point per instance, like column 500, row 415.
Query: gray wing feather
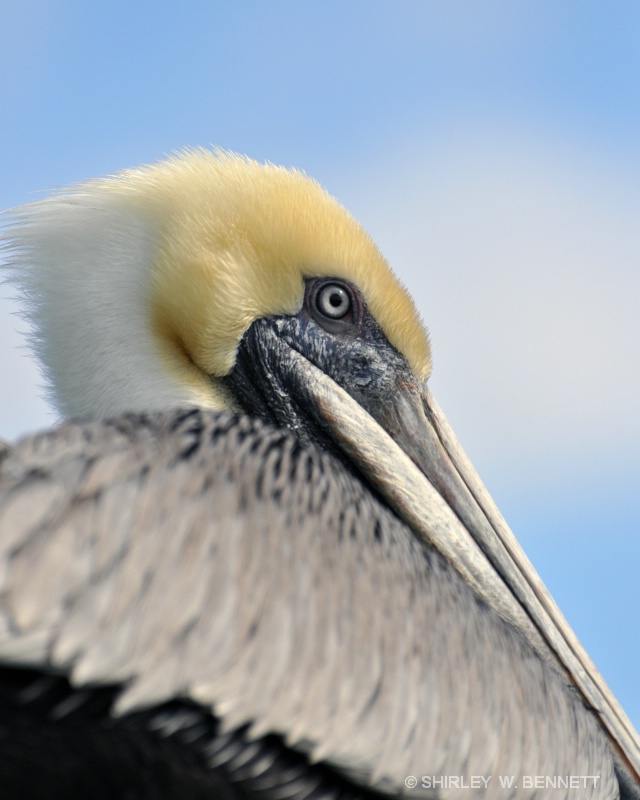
column 208, row 557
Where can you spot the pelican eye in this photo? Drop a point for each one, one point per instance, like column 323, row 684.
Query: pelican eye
column 335, row 305
column 333, row 301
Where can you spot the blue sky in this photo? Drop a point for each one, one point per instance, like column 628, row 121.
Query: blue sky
column 493, row 151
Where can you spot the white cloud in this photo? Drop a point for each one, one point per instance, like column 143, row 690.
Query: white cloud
column 525, row 263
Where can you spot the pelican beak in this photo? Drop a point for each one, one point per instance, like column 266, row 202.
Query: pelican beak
column 411, row 456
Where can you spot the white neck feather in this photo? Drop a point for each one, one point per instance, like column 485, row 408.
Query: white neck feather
column 83, row 261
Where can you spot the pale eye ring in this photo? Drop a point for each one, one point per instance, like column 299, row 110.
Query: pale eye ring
column 333, row 301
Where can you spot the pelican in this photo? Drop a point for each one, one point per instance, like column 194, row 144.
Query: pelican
column 256, row 563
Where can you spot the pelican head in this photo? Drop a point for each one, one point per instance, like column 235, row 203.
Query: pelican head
column 142, row 286
column 212, row 280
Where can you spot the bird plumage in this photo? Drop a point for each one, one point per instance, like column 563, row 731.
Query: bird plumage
column 238, row 573
column 295, row 585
